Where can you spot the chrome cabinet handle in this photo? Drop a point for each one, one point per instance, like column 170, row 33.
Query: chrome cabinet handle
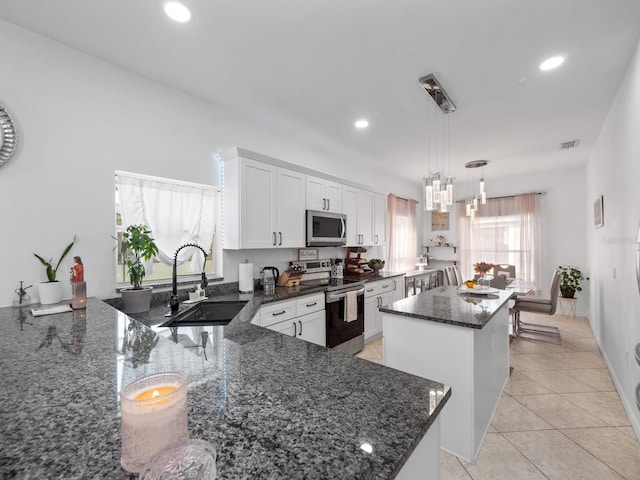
column 328, row 204
column 370, row 290
column 300, row 323
column 274, row 239
column 275, row 314
column 295, row 333
column 376, row 238
column 280, row 233
column 312, row 304
column 395, row 285
column 386, row 285
column 324, row 204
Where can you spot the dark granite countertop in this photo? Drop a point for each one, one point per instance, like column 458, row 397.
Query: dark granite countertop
column 274, row 407
column 446, row 305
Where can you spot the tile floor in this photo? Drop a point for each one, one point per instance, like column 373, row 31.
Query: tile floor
column 559, row 418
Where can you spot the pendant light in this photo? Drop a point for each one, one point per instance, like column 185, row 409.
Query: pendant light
column 438, row 188
column 479, row 198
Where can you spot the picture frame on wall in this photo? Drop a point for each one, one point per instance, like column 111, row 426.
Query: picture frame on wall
column 307, row 254
column 439, row 221
column 598, row 212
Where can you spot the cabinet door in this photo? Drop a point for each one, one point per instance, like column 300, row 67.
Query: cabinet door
column 365, row 217
column 315, row 193
column 385, row 299
column 350, row 209
column 398, row 288
column 333, row 194
column 313, row 328
column 288, row 327
column 371, row 305
column 290, row 209
column 258, row 209
column 380, row 219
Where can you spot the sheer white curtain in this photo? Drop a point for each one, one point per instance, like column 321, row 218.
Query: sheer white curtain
column 505, row 231
column 176, row 212
column 403, row 240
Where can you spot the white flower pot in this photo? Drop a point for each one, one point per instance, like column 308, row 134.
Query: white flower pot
column 193, row 296
column 136, row 301
column 50, row 292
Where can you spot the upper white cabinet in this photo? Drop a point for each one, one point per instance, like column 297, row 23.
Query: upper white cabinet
column 263, row 205
column 380, row 219
column 323, row 195
column 358, row 205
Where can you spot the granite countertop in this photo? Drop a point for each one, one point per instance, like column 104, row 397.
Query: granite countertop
column 446, row 305
column 275, row 407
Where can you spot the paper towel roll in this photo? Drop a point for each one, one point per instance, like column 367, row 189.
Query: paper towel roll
column 245, row 277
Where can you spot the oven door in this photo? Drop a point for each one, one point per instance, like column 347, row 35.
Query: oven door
column 347, row 336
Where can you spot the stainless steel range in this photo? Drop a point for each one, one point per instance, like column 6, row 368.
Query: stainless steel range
column 341, row 335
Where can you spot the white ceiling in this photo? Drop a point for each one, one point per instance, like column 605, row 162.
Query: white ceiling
column 311, row 68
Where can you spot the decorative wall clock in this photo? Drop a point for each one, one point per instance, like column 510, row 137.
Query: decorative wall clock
column 8, row 136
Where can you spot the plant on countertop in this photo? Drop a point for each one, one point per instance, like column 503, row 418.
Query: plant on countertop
column 570, row 281
column 193, row 289
column 52, row 272
column 137, row 242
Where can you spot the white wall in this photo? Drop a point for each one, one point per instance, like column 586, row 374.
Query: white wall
column 562, row 222
column 614, row 171
column 79, row 120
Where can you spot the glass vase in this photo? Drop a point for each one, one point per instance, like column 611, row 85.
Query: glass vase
column 484, row 281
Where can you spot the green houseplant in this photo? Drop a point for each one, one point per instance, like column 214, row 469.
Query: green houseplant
column 51, row 290
column 137, row 246
column 570, row 280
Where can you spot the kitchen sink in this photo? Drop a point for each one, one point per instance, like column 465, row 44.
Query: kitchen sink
column 206, row 313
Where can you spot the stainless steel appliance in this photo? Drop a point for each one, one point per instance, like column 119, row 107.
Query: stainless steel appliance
column 341, row 335
column 326, row 229
column 269, row 279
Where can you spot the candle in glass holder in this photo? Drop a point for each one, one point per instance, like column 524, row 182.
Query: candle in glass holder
column 153, row 414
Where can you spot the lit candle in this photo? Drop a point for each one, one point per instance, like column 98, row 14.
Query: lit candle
column 153, row 412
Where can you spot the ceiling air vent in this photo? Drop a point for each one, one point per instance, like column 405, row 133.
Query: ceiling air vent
column 568, row 145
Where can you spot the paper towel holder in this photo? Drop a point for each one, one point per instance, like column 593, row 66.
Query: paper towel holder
column 245, row 277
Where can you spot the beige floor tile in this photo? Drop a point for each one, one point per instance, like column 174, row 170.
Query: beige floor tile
column 610, row 446
column 451, row 468
column 628, row 431
column 603, row 405
column 520, row 384
column 377, row 344
column 512, row 416
column 499, row 460
column 557, row 382
column 558, row 411
column 526, row 362
column 579, row 344
column 597, row 378
column 523, row 345
column 370, row 353
column 558, row 457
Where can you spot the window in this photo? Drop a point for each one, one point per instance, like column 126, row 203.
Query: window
column 177, row 213
column 505, row 231
column 402, row 233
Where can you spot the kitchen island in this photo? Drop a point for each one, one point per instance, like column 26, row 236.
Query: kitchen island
column 274, row 407
column 462, row 339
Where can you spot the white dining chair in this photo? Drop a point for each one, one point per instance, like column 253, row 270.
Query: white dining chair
column 546, row 306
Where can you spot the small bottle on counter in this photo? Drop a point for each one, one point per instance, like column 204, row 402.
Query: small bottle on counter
column 78, row 285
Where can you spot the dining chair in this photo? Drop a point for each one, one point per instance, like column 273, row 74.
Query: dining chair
column 546, row 306
column 506, row 270
column 452, row 276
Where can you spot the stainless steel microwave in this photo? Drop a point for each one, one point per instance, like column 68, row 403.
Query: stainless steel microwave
column 326, row 229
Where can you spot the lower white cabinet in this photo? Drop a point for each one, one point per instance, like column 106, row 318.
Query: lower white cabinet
column 377, row 294
column 303, row 318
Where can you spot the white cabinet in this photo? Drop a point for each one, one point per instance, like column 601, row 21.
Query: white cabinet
column 377, row 294
column 358, row 205
column 323, row 195
column 263, row 205
column 303, row 318
column 380, row 219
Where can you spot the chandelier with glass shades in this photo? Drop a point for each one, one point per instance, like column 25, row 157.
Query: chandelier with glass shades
column 479, row 197
column 438, row 187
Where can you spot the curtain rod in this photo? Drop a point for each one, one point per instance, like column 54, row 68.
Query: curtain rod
column 510, row 196
column 402, row 198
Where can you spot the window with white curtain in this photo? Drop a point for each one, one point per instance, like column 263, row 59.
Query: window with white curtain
column 402, row 233
column 504, row 231
column 177, row 213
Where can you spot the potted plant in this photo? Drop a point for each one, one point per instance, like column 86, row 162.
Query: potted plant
column 51, row 290
column 570, row 281
column 137, row 246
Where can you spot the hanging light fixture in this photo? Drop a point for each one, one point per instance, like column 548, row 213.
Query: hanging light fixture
column 438, row 188
column 480, row 198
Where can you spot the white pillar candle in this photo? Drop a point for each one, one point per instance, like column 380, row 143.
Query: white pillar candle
column 153, row 413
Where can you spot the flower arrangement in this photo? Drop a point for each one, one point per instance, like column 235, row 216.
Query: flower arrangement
column 483, row 267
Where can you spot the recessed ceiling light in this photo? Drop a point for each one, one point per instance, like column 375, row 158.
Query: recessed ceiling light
column 177, row 11
column 366, row 447
column 362, row 124
column 551, row 63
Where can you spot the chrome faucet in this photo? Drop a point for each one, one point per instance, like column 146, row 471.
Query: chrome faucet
column 174, row 303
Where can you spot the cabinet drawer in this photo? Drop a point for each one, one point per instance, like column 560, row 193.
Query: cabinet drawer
column 277, row 312
column 379, row 287
column 309, row 304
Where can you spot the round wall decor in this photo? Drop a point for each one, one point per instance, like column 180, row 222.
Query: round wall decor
column 8, row 136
